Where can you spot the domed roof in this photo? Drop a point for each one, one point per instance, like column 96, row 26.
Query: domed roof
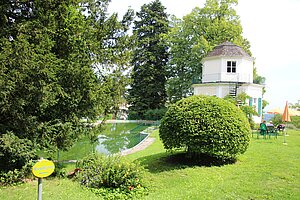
column 228, row 49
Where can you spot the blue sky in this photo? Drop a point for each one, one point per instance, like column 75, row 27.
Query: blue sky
column 273, row 29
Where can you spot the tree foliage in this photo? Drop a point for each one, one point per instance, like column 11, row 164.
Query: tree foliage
column 196, row 34
column 295, row 106
column 257, row 79
column 149, row 59
column 56, row 64
column 205, row 125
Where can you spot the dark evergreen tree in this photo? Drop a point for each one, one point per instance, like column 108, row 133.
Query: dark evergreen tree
column 48, row 51
column 149, row 60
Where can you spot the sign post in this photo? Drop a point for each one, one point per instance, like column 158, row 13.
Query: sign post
column 41, row 169
column 40, row 189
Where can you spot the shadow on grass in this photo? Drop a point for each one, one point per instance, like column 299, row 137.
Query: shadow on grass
column 170, row 161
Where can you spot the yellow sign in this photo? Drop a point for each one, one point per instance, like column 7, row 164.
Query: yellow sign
column 43, row 168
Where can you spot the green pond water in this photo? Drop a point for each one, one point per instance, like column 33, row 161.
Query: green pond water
column 114, row 139
column 120, row 136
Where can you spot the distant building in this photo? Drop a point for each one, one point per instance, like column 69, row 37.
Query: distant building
column 228, row 70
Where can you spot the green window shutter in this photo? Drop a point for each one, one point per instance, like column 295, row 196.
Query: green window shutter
column 251, row 101
column 259, row 106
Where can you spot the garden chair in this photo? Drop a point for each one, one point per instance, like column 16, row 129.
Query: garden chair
column 272, row 131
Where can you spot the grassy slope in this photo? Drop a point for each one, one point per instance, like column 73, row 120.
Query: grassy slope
column 268, row 170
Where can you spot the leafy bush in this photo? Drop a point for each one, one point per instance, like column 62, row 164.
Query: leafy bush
column 15, row 158
column 98, row 171
column 206, row 125
column 249, row 111
column 16, row 176
column 296, row 121
column 60, row 170
column 15, row 152
column 155, row 114
column 132, row 115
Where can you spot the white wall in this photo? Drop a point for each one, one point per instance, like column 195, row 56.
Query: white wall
column 219, row 90
column 215, row 70
column 211, row 71
column 253, row 90
column 205, row 90
column 246, row 71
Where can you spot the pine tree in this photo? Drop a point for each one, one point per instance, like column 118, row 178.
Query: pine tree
column 149, row 59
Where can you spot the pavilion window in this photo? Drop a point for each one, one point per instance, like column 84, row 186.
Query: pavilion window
column 231, row 66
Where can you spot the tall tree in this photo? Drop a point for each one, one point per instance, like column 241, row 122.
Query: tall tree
column 191, row 38
column 48, row 51
column 149, row 59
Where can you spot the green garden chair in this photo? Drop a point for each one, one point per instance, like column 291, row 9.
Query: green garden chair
column 272, row 131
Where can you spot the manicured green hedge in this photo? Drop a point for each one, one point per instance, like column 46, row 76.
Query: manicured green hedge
column 205, row 125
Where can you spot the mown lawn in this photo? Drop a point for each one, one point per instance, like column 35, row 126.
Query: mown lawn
column 268, row 170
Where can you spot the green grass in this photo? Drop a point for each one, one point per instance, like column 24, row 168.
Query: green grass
column 52, row 189
column 268, row 170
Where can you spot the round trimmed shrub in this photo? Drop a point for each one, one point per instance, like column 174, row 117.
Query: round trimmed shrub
column 206, row 125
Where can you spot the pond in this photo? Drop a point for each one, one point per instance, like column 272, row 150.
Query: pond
column 114, row 139
column 120, row 136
